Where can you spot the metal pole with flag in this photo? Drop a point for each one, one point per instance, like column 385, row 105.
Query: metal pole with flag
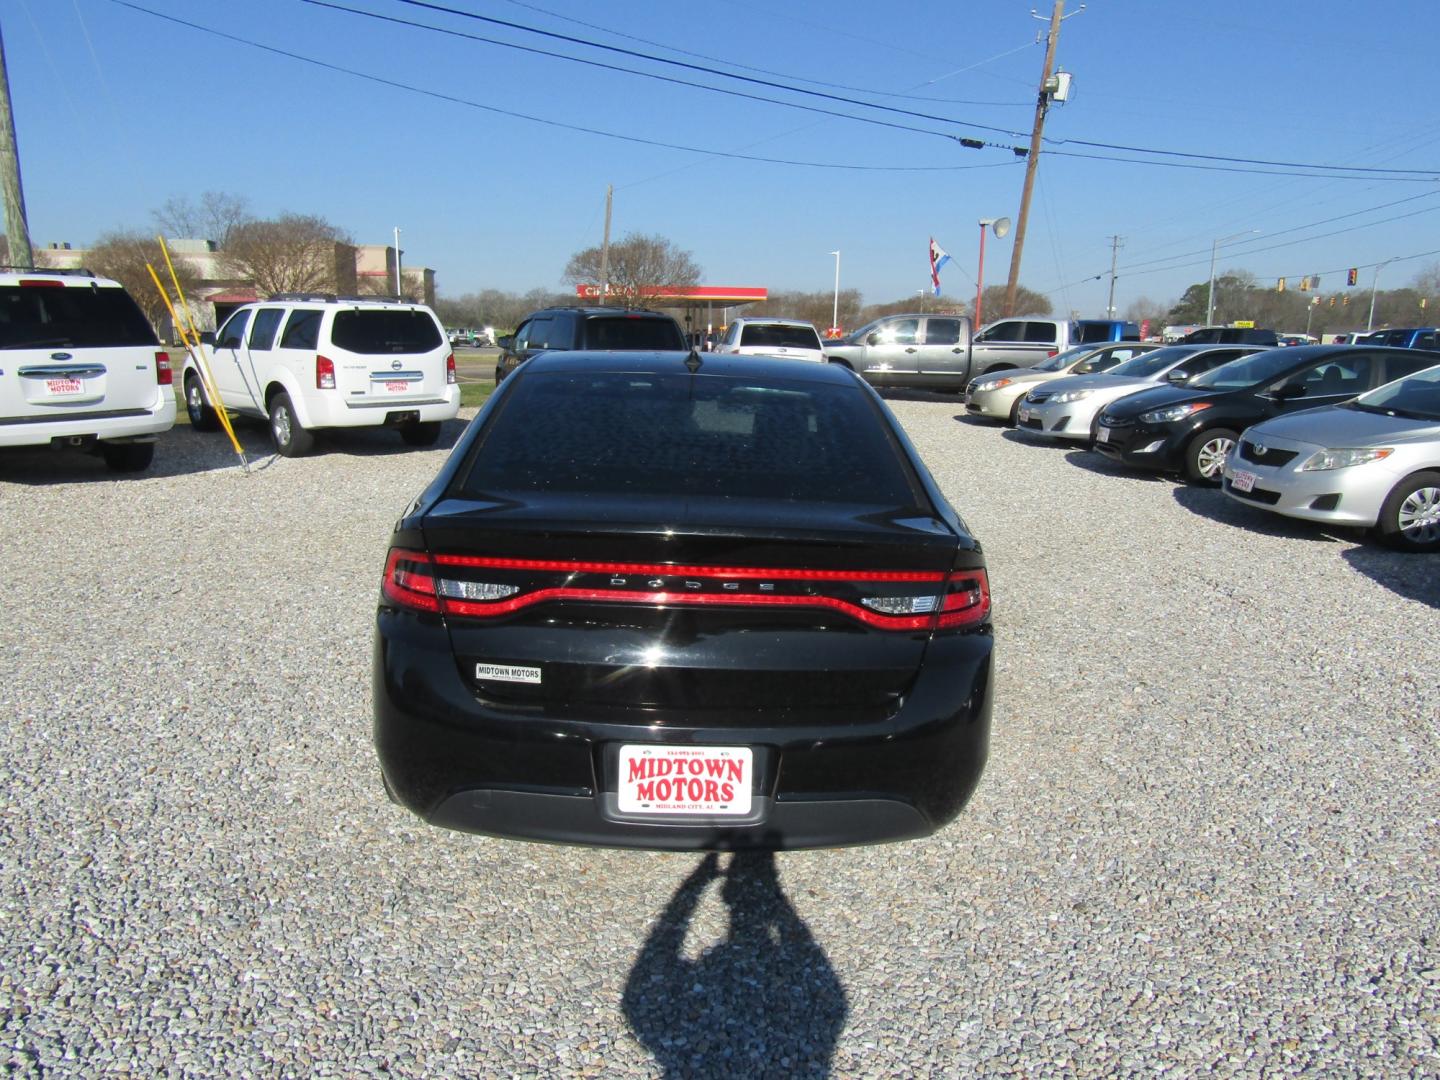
column 938, row 258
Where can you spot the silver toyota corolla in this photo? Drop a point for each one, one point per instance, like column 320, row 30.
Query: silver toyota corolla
column 1373, row 462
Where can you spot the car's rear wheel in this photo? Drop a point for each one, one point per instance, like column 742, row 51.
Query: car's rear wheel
column 202, row 416
column 421, row 434
column 291, row 440
column 1410, row 517
column 1205, row 455
column 127, row 457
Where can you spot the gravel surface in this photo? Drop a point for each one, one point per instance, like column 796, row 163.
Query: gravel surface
column 1207, row 839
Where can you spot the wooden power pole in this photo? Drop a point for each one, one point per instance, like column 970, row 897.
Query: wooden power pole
column 1041, row 106
column 16, row 229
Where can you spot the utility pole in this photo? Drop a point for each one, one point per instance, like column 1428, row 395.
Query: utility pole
column 605, row 246
column 1116, row 243
column 16, row 229
column 1033, row 160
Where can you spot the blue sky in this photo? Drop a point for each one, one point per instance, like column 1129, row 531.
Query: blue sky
column 117, row 110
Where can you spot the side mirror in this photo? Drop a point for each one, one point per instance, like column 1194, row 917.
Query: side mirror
column 1288, row 391
column 1179, row 375
column 505, row 340
column 207, row 337
column 873, row 338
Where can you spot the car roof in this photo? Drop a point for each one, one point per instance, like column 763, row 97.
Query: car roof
column 637, row 313
column 85, row 278
column 755, row 369
column 747, row 319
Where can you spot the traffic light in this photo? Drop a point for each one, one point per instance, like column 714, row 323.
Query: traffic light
column 1346, row 302
column 1351, row 275
column 1332, row 301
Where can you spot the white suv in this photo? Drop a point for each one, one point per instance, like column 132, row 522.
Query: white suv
column 757, row 335
column 306, row 362
column 80, row 366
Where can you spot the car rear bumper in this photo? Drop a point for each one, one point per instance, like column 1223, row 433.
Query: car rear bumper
column 327, row 411
column 102, row 424
column 465, row 764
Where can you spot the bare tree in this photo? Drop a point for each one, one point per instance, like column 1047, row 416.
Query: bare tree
column 641, row 268
column 123, row 255
column 817, row 307
column 412, row 287
column 215, row 217
column 291, row 253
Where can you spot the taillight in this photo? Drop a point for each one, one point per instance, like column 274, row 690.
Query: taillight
column 410, row 580
column 967, row 600
column 450, row 369
column 163, row 375
column 1052, row 352
column 324, row 373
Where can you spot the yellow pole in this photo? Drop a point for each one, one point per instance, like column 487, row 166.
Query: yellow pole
column 198, row 355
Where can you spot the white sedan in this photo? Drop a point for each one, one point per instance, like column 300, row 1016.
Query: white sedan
column 1066, row 408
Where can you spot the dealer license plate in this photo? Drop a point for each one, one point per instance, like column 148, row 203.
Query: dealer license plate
column 393, row 387
column 1102, row 434
column 1024, row 414
column 1241, row 480
column 60, row 387
column 686, row 780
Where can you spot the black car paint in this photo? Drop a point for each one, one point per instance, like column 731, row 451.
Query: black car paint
column 859, row 736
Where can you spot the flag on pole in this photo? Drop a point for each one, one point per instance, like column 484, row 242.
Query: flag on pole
column 938, row 258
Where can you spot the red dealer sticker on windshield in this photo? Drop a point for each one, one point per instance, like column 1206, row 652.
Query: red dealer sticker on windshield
column 711, row 780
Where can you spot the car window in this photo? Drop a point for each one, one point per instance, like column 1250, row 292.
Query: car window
column 701, row 437
column 537, row 333
column 53, row 315
column 779, row 335
column 1060, row 361
column 1249, row 370
column 1388, row 367
column 1005, row 331
column 378, row 331
column 262, row 331
column 1147, row 364
column 1210, row 360
column 1040, row 333
column 1348, row 375
column 633, row 333
column 1425, row 340
column 942, row 331
column 233, row 332
column 562, row 330
column 302, row 329
column 522, row 335
column 900, row 332
column 1417, row 395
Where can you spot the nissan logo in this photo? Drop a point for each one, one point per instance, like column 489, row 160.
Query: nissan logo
column 395, row 365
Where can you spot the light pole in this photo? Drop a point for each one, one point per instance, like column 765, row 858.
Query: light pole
column 835, row 314
column 398, row 294
column 1373, row 286
column 1002, row 228
column 1210, row 304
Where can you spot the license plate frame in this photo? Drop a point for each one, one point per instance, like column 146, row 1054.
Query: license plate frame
column 679, row 781
column 1102, row 434
column 1243, row 480
column 63, row 387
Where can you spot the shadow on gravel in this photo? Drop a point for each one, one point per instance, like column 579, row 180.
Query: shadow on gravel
column 1092, row 461
column 763, row 1002
column 1029, row 438
column 182, row 451
column 1210, row 502
column 1411, row 576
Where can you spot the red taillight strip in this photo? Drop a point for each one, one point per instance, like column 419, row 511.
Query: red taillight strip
column 968, row 607
column 408, row 588
column 658, row 599
column 565, row 566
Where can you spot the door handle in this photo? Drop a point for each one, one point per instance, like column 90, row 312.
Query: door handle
column 957, row 349
column 910, row 350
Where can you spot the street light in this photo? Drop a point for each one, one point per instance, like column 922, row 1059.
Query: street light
column 1210, row 304
column 1373, row 286
column 1002, row 227
column 835, row 315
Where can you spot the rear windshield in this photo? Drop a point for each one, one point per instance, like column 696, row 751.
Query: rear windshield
column 694, row 436
column 385, row 332
column 778, row 336
column 45, row 316
column 621, row 332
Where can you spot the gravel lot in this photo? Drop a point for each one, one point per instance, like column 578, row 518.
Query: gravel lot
column 1207, row 840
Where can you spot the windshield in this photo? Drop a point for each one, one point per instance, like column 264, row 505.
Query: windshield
column 1060, row 361
column 1151, row 363
column 1417, row 396
column 1247, row 371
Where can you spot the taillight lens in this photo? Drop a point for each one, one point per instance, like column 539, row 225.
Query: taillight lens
column 324, row 373
column 967, row 600
column 163, row 375
column 410, row 580
column 450, row 369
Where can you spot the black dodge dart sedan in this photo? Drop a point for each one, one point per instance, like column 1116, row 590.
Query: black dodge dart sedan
column 658, row 601
column 1191, row 428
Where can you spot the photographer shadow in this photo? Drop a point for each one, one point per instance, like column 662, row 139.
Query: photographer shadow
column 764, row 1001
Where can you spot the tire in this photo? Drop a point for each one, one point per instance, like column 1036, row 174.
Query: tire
column 291, row 440
column 1410, row 517
column 1205, row 455
column 202, row 416
column 1014, row 420
column 128, row 457
column 499, row 374
column 421, row 434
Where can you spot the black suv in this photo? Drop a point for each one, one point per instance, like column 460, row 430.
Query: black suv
column 596, row 329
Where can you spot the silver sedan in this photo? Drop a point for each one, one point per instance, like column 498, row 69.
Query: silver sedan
column 1372, row 462
column 997, row 395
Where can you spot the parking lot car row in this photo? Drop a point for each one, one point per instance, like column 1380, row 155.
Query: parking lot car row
column 1347, row 435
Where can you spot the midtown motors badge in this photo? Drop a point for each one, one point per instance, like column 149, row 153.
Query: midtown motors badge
column 507, row 673
column 705, row 780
